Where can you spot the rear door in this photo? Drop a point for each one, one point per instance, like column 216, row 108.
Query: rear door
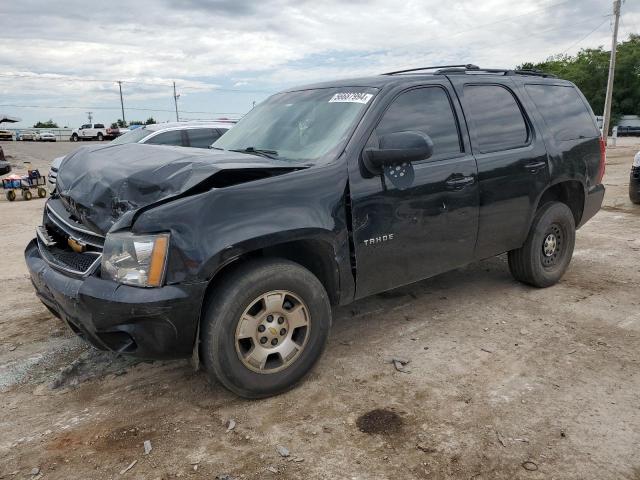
column 170, row 137
column 511, row 158
column 202, row 137
column 416, row 221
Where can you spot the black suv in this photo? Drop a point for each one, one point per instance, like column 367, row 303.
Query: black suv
column 320, row 195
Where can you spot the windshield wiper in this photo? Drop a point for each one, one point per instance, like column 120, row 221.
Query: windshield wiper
column 257, row 151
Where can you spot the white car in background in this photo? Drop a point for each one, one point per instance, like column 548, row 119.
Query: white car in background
column 45, row 137
column 182, row 134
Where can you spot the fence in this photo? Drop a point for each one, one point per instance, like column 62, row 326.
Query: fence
column 62, row 134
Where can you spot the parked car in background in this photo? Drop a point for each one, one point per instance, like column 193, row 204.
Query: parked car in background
column 45, row 136
column 634, row 180
column 115, row 132
column 320, row 196
column 89, row 131
column 629, row 131
column 28, row 135
column 6, row 134
column 5, row 167
column 181, row 134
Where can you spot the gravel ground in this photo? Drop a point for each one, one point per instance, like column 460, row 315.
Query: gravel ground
column 504, row 381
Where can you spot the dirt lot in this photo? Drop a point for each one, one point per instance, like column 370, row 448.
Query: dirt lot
column 505, row 381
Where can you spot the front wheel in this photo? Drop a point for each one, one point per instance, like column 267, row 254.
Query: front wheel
column 100, row 137
column 74, row 137
column 546, row 253
column 265, row 327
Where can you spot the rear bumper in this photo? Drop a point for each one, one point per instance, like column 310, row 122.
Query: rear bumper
column 157, row 323
column 634, row 185
column 592, row 203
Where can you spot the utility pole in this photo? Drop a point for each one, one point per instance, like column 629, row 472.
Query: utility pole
column 124, row 122
column 612, row 67
column 175, row 100
column 90, row 115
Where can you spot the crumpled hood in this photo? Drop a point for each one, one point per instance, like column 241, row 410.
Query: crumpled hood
column 99, row 184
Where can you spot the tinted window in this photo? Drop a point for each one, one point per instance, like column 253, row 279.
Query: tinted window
column 202, row 137
column 98, row 125
column 85, row 126
column 172, row 137
column 495, row 117
column 564, row 112
column 425, row 110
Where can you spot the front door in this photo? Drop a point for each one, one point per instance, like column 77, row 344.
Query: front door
column 417, row 220
column 511, row 157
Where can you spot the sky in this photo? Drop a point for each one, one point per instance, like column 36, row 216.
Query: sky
column 59, row 60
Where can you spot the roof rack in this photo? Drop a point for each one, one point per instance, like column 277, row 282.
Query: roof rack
column 470, row 68
column 467, row 66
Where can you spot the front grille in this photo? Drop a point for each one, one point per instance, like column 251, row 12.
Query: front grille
column 79, row 233
column 70, row 261
column 55, row 237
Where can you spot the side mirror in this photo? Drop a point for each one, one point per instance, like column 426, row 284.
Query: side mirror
column 398, row 147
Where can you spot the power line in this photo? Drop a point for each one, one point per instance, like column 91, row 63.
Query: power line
column 61, row 78
column 586, row 36
column 67, row 107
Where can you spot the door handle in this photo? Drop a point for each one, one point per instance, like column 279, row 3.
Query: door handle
column 458, row 182
column 535, row 166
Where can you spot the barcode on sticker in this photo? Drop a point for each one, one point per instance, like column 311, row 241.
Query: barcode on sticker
column 351, row 97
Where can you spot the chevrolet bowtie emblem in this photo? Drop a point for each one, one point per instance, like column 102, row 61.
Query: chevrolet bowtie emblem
column 75, row 245
column 273, row 331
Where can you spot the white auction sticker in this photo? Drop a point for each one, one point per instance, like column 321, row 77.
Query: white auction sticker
column 351, row 97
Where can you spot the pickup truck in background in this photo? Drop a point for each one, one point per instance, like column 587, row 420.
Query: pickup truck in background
column 90, row 131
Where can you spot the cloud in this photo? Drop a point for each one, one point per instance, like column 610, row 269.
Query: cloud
column 212, row 47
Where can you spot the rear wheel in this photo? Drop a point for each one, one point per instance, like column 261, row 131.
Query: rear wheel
column 26, row 195
column 74, row 137
column 11, row 195
column 547, row 252
column 42, row 192
column 100, row 137
column 265, row 327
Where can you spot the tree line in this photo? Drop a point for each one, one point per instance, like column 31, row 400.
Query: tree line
column 589, row 70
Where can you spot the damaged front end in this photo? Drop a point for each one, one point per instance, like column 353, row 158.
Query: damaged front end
column 88, row 267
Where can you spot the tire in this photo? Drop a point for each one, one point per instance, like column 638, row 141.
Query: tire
column 42, row 192
column 74, row 137
column 100, row 137
column 547, row 252
column 26, row 195
column 11, row 195
column 228, row 359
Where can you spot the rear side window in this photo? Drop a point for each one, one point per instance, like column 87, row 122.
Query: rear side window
column 496, row 118
column 172, row 137
column 427, row 110
column 202, row 137
column 564, row 112
column 98, row 125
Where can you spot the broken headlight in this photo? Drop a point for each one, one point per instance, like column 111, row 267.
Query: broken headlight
column 138, row 260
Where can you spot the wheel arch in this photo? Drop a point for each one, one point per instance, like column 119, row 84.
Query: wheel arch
column 569, row 192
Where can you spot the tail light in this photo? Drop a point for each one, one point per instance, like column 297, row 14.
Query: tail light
column 603, row 160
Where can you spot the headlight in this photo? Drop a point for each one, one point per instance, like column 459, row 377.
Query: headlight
column 138, row 260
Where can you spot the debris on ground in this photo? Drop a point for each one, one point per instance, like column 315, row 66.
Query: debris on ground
column 231, row 424
column 273, row 470
column 379, row 421
column 131, row 465
column 530, row 466
column 399, row 363
column 147, row 447
column 283, row 451
column 35, row 471
column 499, row 437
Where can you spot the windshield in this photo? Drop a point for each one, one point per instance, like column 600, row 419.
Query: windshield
column 134, row 136
column 299, row 126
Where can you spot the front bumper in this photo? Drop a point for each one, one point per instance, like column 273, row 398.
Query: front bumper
column 634, row 185
column 592, row 203
column 158, row 323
